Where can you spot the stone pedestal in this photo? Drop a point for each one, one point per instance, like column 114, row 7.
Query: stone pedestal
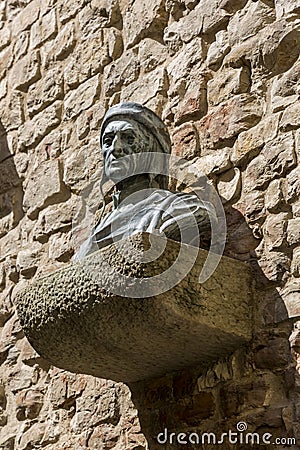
column 88, row 317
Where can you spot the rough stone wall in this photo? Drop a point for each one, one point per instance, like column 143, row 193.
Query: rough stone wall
column 224, row 75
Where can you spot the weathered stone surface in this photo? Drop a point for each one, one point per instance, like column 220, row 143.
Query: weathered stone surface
column 64, row 42
column 13, row 114
column 226, row 83
column 55, row 218
column 67, row 9
column 82, row 166
column 248, row 21
column 218, row 49
column 274, row 161
column 86, row 61
column 26, row 71
column 4, row 37
column 285, row 88
column 61, row 247
column 123, row 72
column 293, row 231
column 153, row 18
column 81, row 98
column 151, row 54
column 96, row 15
column 293, row 188
column 229, row 184
column 45, row 91
column 275, row 230
column 192, row 54
column 284, row 7
column 193, row 105
column 147, row 87
column 229, row 119
column 186, row 141
column 274, row 198
column 34, row 131
column 290, row 118
column 27, row 17
column 43, row 29
column 21, row 44
column 249, row 143
column 114, row 40
column 180, row 345
column 29, row 259
column 215, row 163
column 44, row 187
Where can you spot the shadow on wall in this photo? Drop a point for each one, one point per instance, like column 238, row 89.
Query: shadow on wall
column 234, row 389
column 11, row 192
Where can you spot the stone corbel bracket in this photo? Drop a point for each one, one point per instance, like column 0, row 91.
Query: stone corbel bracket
column 74, row 321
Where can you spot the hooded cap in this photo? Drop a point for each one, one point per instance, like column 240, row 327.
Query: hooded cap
column 142, row 115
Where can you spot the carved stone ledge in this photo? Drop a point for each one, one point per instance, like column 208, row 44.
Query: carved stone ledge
column 73, row 321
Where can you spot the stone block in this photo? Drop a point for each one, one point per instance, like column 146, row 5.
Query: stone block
column 218, row 50
column 227, row 120
column 114, row 40
column 86, row 62
column 293, row 187
column 27, row 16
column 44, row 186
column 53, row 219
column 32, row 132
column 13, row 115
column 214, row 163
column 82, row 165
column 286, row 7
column 21, row 44
column 274, row 161
column 26, row 71
column 121, row 73
column 284, row 89
column 69, row 314
column 6, row 60
column 290, row 118
column 96, row 15
column 193, row 105
column 229, row 185
column 45, row 91
column 4, row 37
column 185, row 141
column 274, row 198
column 151, row 54
column 180, row 67
column 295, row 266
column 3, row 88
column 249, row 143
column 43, row 29
column 249, row 20
column 226, row 83
column 293, row 231
column 146, row 87
column 61, row 247
column 275, row 230
column 64, row 42
column 67, row 9
column 153, row 18
column 290, row 295
column 81, row 99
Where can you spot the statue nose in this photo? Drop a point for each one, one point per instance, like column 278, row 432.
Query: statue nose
column 117, row 146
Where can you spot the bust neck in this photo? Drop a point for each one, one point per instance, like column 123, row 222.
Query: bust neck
column 129, row 186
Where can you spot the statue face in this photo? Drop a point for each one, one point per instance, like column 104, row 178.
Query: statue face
column 121, row 138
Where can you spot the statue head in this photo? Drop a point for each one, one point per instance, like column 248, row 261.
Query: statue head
column 128, row 129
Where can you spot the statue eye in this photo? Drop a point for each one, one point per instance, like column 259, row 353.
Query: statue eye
column 107, row 141
column 130, row 139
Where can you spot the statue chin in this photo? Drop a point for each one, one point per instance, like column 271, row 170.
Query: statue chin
column 117, row 171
